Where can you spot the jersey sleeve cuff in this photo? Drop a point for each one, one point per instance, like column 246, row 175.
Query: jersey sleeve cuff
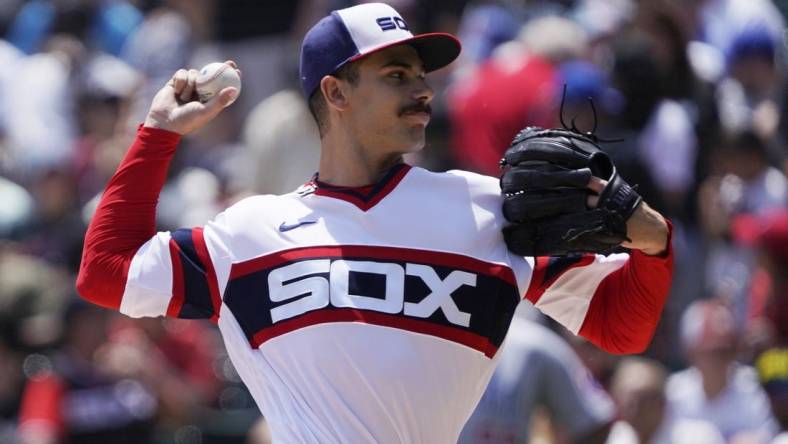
column 157, row 135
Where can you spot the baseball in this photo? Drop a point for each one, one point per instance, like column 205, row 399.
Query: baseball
column 213, row 78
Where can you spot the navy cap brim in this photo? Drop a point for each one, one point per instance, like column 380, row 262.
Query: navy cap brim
column 436, row 49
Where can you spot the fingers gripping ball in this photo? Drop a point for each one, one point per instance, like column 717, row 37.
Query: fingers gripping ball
column 213, row 78
column 545, row 187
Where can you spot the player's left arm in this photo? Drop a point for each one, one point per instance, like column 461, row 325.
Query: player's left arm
column 614, row 301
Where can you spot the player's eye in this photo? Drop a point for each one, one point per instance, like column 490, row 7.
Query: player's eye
column 399, row 75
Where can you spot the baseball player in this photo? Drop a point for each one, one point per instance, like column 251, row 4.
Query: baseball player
column 368, row 305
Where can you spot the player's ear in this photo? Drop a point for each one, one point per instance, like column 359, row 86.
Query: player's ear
column 333, row 90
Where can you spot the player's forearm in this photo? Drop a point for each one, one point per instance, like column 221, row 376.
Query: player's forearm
column 648, row 231
column 626, row 308
column 125, row 217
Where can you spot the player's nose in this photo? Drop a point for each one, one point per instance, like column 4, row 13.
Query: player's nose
column 422, row 92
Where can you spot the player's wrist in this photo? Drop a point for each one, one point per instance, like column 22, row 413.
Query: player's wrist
column 159, row 122
column 648, row 231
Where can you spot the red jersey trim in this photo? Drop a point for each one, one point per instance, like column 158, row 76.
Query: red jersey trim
column 383, row 253
column 472, row 340
column 178, row 294
column 538, row 284
column 198, row 238
column 362, row 197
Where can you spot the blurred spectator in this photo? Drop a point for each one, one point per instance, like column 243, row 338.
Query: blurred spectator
column 105, row 88
column 638, row 388
column 40, row 124
column 190, row 199
column 752, row 94
column 745, row 183
column 17, row 209
column 9, row 56
column 516, row 87
column 721, row 20
column 163, row 43
column 105, row 23
column 716, row 387
column 483, row 28
column 56, row 231
column 260, row 37
column 636, row 74
column 554, row 38
column 31, row 296
column 772, row 366
column 767, row 322
column 654, row 72
column 600, row 18
column 538, row 368
column 174, row 359
column 71, row 399
column 283, row 145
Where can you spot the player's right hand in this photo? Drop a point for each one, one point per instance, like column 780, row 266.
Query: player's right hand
column 176, row 107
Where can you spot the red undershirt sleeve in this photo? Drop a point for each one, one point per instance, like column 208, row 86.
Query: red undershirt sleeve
column 627, row 304
column 125, row 217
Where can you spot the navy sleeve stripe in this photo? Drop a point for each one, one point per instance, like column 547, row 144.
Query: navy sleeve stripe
column 197, row 300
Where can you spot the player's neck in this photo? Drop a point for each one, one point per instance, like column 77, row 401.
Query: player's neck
column 347, row 163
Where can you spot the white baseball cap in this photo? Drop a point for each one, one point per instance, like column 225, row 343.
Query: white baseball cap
column 349, row 34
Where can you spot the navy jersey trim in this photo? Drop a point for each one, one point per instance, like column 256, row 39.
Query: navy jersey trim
column 547, row 270
column 476, row 299
column 364, row 197
column 195, row 292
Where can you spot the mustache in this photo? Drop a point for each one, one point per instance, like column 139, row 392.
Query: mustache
column 418, row 107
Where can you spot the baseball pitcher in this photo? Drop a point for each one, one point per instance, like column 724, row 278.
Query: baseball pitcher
column 368, row 305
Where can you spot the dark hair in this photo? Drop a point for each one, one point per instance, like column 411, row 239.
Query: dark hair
column 317, row 103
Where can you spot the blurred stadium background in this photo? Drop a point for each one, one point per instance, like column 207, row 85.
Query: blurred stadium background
column 695, row 88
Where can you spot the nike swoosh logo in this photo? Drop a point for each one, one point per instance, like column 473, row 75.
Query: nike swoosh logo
column 287, row 227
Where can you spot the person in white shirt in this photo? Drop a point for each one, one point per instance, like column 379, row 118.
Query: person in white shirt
column 638, row 388
column 717, row 388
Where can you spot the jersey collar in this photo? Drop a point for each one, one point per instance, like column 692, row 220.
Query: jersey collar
column 364, row 197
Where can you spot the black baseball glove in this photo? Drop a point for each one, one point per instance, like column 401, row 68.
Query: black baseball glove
column 545, row 180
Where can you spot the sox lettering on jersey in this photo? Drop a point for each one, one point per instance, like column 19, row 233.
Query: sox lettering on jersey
column 441, row 294
column 317, row 292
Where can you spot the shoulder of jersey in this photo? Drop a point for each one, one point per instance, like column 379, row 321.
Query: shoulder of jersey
column 474, row 180
column 477, row 181
column 261, row 207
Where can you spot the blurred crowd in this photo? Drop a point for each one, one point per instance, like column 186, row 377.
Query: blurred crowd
column 691, row 94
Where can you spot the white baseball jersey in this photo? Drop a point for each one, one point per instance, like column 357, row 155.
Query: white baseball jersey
column 361, row 315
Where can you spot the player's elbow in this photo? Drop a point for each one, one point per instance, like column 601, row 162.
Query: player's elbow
column 619, row 344
column 101, row 281
column 632, row 349
column 90, row 289
column 86, row 286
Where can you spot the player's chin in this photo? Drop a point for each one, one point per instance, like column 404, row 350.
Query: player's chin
column 416, row 139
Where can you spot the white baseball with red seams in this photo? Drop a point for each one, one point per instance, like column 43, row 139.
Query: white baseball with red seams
column 214, row 77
